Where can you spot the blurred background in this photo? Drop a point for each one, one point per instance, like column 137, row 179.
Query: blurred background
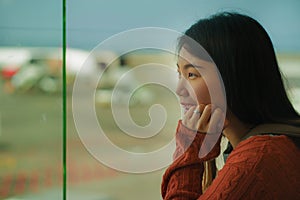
column 31, row 87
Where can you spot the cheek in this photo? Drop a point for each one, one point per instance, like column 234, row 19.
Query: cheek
column 202, row 93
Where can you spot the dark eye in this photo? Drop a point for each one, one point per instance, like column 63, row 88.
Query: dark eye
column 192, row 75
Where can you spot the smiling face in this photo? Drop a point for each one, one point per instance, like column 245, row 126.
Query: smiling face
column 193, row 73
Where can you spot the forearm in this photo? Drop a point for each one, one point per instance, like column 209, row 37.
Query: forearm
column 183, row 182
column 183, row 178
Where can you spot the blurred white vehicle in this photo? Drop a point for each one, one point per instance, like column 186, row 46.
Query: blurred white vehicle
column 41, row 67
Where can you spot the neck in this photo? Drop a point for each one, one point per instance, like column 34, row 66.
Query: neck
column 236, row 130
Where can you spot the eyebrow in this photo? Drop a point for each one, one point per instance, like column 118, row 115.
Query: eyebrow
column 189, row 66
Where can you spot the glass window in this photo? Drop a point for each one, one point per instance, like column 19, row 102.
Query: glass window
column 120, row 80
column 31, row 100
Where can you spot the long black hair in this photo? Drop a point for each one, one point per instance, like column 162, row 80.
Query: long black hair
column 246, row 60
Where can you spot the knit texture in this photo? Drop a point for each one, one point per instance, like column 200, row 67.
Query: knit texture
column 261, row 167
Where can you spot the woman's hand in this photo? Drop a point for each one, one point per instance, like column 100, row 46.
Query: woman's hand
column 205, row 119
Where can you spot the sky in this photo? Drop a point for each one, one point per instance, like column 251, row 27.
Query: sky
column 39, row 22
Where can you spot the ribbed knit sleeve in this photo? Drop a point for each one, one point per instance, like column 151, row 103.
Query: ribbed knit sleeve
column 183, row 179
column 261, row 167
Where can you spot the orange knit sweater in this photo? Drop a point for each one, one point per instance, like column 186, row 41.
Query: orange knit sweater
column 261, row 167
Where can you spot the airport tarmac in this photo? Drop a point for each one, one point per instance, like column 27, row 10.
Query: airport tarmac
column 31, row 151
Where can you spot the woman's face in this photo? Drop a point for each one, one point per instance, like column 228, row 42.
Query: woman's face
column 193, row 73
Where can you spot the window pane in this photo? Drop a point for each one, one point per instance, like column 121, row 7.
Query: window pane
column 91, row 28
column 31, row 100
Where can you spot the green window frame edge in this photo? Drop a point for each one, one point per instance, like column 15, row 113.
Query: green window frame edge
column 64, row 100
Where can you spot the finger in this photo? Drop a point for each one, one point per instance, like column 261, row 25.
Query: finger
column 216, row 123
column 196, row 113
column 202, row 106
column 190, row 112
column 204, row 120
column 193, row 121
column 188, row 115
column 206, row 115
column 199, row 109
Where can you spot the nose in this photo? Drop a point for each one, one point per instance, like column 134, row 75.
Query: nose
column 181, row 89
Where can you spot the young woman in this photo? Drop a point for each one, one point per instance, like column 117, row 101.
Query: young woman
column 260, row 122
